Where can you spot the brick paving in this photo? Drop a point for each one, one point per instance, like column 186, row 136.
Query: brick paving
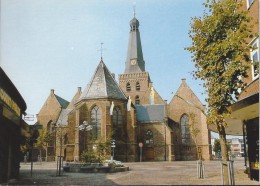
column 144, row 173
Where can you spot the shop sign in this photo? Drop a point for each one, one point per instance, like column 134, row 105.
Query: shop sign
column 9, row 102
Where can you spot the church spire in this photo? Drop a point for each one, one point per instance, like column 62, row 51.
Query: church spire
column 134, row 60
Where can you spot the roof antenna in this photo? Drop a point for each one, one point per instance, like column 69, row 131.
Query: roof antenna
column 134, row 5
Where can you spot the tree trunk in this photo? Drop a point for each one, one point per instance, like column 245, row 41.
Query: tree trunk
column 224, row 153
column 46, row 152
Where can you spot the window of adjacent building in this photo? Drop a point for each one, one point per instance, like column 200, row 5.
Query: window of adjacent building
column 255, row 59
column 137, row 100
column 185, row 131
column 149, row 138
column 128, row 87
column 117, row 123
column 96, row 123
column 249, row 3
column 138, row 86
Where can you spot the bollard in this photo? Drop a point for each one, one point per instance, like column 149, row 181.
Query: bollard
column 200, row 169
column 231, row 177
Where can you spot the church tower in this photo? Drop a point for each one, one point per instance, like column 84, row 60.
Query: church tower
column 136, row 82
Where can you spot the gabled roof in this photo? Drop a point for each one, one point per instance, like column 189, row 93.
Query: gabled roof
column 63, row 103
column 185, row 93
column 102, row 85
column 150, row 113
column 74, row 99
column 63, row 117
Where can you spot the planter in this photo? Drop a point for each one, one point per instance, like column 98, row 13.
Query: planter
column 92, row 168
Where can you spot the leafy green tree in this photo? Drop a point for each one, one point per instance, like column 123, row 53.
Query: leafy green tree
column 99, row 153
column 216, row 147
column 220, row 54
column 194, row 131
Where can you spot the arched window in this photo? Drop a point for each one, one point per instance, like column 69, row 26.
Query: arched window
column 96, row 123
column 128, row 87
column 137, row 100
column 49, row 126
column 185, row 131
column 117, row 123
column 137, row 86
column 149, row 138
column 117, row 117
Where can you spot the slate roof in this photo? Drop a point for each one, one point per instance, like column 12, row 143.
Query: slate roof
column 134, row 50
column 63, row 117
column 63, row 103
column 102, row 85
column 150, row 113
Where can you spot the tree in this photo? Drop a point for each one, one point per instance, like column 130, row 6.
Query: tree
column 220, row 54
column 100, row 152
column 194, row 131
column 43, row 140
column 217, row 148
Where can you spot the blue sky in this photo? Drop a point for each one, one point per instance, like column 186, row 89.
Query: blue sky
column 54, row 44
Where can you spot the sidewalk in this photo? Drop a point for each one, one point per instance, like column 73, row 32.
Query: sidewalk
column 144, row 173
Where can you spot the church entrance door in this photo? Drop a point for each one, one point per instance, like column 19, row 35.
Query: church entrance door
column 149, row 154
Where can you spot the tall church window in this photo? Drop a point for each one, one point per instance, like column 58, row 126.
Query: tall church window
column 185, row 131
column 128, row 87
column 117, row 123
column 96, row 123
column 137, row 100
column 137, row 86
column 149, row 138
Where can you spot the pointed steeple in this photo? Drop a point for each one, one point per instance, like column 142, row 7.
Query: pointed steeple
column 134, row 60
column 102, row 85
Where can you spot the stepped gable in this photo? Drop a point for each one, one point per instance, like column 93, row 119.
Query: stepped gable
column 102, row 85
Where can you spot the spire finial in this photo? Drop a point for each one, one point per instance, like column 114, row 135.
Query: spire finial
column 101, row 50
column 134, row 3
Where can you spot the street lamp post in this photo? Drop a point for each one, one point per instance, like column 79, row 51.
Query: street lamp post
column 85, row 127
column 59, row 167
column 113, row 145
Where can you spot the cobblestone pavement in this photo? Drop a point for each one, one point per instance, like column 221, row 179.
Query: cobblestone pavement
column 144, row 173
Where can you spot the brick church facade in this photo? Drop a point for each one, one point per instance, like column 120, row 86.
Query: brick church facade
column 131, row 112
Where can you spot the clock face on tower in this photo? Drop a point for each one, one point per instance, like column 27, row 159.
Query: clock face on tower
column 133, row 61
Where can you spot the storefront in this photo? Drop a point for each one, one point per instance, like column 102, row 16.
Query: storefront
column 244, row 121
column 12, row 107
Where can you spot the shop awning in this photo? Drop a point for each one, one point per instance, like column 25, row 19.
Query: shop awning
column 245, row 109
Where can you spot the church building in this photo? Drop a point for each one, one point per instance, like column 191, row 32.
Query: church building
column 130, row 112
